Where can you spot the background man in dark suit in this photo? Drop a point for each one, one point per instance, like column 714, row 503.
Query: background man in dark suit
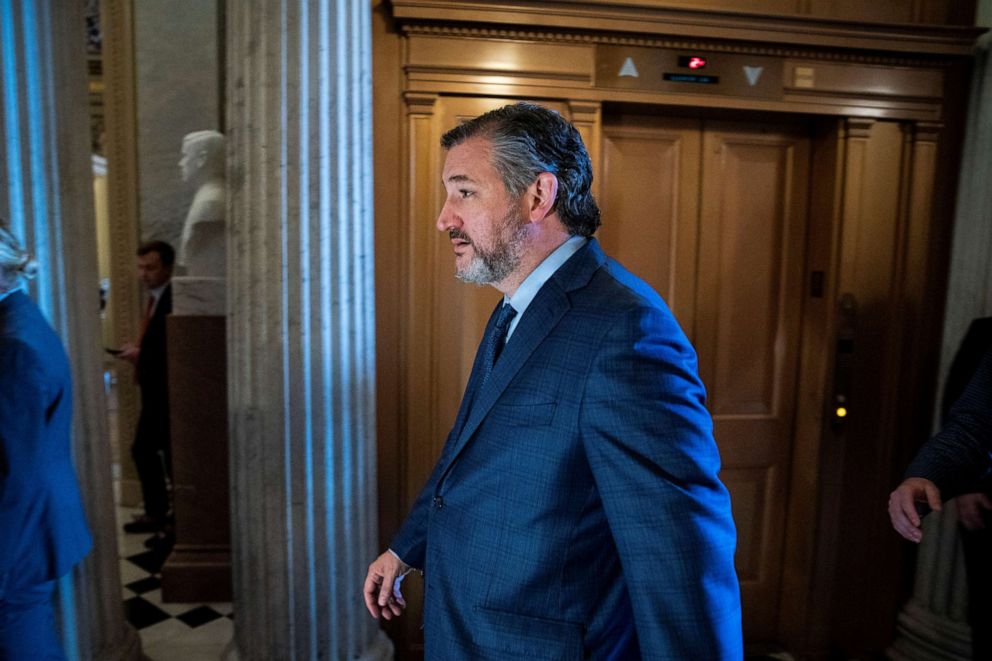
column 955, row 461
column 575, row 511
column 152, row 450
column 42, row 526
column 932, row 477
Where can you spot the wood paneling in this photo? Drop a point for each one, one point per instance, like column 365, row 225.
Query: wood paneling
column 878, row 11
column 752, row 243
column 650, row 205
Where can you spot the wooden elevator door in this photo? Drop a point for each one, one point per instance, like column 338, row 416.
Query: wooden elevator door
column 713, row 215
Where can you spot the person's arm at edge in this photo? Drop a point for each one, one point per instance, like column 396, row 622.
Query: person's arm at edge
column 952, row 461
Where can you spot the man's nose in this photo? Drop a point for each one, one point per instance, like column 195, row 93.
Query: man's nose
column 447, row 219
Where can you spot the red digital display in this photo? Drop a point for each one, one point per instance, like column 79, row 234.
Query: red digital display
column 693, row 62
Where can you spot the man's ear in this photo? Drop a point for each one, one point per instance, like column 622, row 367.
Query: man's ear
column 541, row 196
column 201, row 159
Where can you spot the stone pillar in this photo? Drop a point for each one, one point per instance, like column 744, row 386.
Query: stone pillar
column 48, row 196
column 301, row 329
column 933, row 626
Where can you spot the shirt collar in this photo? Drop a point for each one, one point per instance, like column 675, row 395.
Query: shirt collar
column 157, row 292
column 532, row 283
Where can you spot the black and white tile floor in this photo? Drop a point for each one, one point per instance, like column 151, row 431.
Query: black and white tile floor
column 189, row 632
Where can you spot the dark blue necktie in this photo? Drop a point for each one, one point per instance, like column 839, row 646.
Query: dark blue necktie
column 496, row 339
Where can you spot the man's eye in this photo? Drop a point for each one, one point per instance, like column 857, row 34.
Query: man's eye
column 465, row 193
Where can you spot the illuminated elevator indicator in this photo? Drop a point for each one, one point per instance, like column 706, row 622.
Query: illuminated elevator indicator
column 753, row 74
column 693, row 62
column 629, row 69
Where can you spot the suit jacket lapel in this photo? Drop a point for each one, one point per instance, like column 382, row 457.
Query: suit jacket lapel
column 538, row 320
column 475, row 377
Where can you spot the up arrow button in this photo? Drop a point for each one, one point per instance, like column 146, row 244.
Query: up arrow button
column 629, row 69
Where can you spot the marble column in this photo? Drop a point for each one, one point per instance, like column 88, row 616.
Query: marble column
column 933, row 626
column 301, row 329
column 48, row 196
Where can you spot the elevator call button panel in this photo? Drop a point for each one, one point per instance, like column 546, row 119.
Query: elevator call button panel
column 678, row 71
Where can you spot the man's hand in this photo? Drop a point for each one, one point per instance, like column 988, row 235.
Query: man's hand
column 129, row 352
column 902, row 506
column 972, row 508
column 382, row 586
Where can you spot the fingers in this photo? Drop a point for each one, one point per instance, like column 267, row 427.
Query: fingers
column 933, row 495
column 971, row 519
column 371, row 590
column 396, row 603
column 903, row 506
column 971, row 510
column 386, row 588
column 902, row 513
column 382, row 587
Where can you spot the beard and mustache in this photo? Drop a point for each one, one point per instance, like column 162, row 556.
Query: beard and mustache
column 492, row 265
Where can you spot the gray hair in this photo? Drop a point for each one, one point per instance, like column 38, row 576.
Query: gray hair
column 15, row 262
column 528, row 139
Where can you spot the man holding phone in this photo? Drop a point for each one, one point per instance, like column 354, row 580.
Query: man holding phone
column 151, row 449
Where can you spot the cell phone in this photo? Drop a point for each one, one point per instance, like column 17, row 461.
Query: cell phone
column 113, row 352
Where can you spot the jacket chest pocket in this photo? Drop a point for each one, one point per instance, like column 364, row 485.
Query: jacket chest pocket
column 523, row 415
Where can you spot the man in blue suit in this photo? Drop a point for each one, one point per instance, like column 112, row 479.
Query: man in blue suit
column 575, row 511
column 42, row 526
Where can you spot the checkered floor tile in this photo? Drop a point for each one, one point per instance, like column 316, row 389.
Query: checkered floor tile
column 168, row 631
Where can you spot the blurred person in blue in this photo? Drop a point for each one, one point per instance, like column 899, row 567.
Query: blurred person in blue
column 575, row 511
column 43, row 531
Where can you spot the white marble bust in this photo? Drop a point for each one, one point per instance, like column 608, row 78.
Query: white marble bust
column 203, row 250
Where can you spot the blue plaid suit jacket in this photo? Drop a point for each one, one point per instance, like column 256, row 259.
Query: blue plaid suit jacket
column 575, row 511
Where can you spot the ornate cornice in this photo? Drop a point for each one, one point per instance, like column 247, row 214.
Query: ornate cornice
column 859, row 127
column 820, row 54
column 642, row 22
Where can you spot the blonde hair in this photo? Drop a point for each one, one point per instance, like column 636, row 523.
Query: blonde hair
column 15, row 262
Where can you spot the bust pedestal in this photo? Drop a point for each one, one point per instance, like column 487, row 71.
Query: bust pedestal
column 199, row 568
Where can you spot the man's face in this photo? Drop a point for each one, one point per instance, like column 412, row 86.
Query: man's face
column 486, row 225
column 151, row 272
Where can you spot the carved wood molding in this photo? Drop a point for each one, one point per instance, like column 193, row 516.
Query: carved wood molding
column 925, row 131
column 418, row 103
column 859, row 127
column 643, row 25
column 585, row 110
column 809, row 53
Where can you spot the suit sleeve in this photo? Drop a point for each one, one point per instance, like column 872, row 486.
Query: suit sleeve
column 22, row 455
column 648, row 438
column 410, row 542
column 960, row 454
